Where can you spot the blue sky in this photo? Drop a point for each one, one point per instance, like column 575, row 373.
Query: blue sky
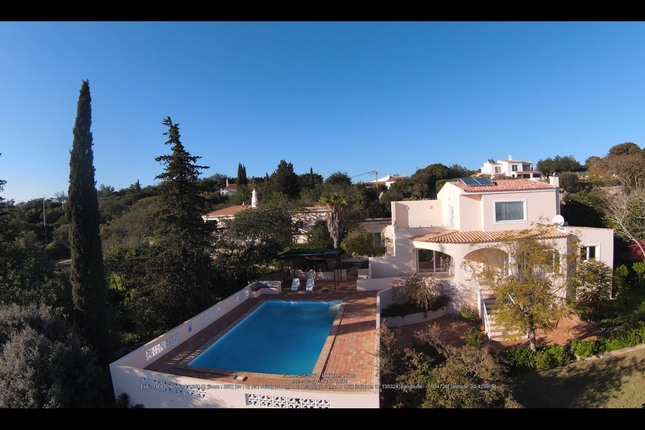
column 332, row 96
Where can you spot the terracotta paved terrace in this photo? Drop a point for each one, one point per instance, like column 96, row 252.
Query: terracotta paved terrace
column 453, row 331
column 350, row 352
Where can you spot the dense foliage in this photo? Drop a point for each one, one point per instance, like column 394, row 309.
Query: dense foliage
column 43, row 363
column 433, row 374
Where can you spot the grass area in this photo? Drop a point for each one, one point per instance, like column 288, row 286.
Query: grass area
column 615, row 382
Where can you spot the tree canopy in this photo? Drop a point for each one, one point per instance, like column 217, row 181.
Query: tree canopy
column 559, row 164
column 529, row 276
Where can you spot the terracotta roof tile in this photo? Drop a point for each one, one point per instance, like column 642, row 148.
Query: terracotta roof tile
column 232, row 210
column 476, row 236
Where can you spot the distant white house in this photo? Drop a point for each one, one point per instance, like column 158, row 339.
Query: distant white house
column 511, row 168
column 229, row 189
column 387, row 180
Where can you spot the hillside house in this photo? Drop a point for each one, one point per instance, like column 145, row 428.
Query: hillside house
column 304, row 218
column 453, row 236
column 387, row 181
column 228, row 190
column 510, row 168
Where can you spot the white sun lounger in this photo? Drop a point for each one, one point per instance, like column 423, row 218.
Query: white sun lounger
column 310, row 284
column 295, row 285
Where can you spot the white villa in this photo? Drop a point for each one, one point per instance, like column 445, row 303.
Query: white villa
column 229, row 189
column 511, row 168
column 450, row 237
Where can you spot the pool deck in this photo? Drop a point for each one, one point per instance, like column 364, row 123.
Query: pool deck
column 347, row 358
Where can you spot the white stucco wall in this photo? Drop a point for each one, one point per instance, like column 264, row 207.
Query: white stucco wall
column 540, row 207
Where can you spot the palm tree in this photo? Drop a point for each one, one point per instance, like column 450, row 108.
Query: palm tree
column 336, row 202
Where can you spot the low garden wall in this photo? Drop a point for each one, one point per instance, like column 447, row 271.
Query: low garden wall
column 414, row 318
column 375, row 284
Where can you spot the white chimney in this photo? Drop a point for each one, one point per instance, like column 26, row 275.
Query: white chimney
column 254, row 198
column 509, row 157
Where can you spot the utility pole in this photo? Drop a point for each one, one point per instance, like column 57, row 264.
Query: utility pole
column 378, row 197
column 44, row 222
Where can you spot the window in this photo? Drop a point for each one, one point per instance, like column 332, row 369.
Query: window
column 589, row 252
column 514, row 167
column 377, row 239
column 498, row 169
column 300, row 224
column 510, row 211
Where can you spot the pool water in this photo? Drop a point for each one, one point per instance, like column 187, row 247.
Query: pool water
column 278, row 338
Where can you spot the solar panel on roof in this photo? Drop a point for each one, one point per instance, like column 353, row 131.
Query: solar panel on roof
column 470, row 182
column 474, row 182
column 484, row 181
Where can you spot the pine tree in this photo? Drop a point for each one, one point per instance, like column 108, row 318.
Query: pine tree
column 89, row 286
column 284, row 180
column 182, row 251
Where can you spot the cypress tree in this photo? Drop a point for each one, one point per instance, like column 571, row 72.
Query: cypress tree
column 241, row 175
column 89, row 286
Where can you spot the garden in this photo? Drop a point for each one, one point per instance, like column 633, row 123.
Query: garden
column 416, row 293
column 597, row 372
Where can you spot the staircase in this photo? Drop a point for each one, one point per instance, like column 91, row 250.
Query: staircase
column 487, row 306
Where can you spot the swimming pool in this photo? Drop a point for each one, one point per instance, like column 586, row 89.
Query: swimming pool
column 278, row 338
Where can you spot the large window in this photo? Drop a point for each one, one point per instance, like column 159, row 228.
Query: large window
column 510, row 211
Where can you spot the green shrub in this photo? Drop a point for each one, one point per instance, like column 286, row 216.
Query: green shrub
column 422, row 291
column 545, row 358
column 474, row 338
column 624, row 339
column 617, row 340
column 584, row 348
column 520, row 358
column 58, row 251
column 468, row 313
column 550, row 357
